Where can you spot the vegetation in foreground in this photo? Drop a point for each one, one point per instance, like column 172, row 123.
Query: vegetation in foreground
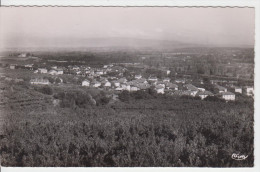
column 142, row 129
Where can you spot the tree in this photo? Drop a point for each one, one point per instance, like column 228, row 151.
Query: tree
column 124, row 96
column 47, row 90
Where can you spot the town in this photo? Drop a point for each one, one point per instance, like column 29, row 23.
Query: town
column 117, row 77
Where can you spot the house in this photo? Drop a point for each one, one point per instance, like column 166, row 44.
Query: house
column 75, row 68
column 78, row 72
column 153, row 79
column 166, row 80
column 42, row 70
column 126, row 87
column 119, row 89
column 227, row 96
column 99, row 72
column 142, row 80
column 171, row 86
column 86, row 83
column 183, row 93
column 161, row 84
column 180, row 81
column 138, row 76
column 249, row 91
column 116, row 83
column 18, row 80
column 53, row 72
column 8, row 79
column 143, row 86
column 28, row 65
column 238, row 90
column 107, row 84
column 122, row 80
column 12, row 66
column 191, row 87
column 59, row 72
column 201, row 89
column 159, row 89
column 220, row 88
column 134, row 88
column 40, row 81
column 22, row 55
column 103, row 80
column 204, row 94
column 96, row 84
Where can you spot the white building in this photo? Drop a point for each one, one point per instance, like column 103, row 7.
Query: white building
column 99, row 72
column 238, row 90
column 227, row 96
column 119, row 89
column 134, row 88
column 138, row 76
column 59, row 72
column 201, row 89
column 166, row 80
column 249, row 91
column 171, row 86
column 180, row 81
column 22, row 55
column 86, row 83
column 107, row 84
column 204, row 94
column 126, row 87
column 39, row 81
column 153, row 79
column 159, row 89
column 42, row 70
column 12, row 66
column 53, row 72
column 96, row 84
column 117, row 83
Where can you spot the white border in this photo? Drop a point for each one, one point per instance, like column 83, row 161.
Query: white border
column 181, row 3
column 251, row 3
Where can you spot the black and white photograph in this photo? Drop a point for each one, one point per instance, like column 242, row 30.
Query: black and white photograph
column 127, row 86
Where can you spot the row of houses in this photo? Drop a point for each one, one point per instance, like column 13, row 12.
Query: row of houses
column 247, row 90
column 96, row 72
column 53, row 71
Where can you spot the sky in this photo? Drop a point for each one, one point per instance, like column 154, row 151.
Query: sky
column 75, row 26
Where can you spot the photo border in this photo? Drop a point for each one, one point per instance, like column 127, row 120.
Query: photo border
column 157, row 3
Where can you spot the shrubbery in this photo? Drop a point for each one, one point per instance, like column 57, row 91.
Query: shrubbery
column 44, row 89
column 81, row 99
column 156, row 130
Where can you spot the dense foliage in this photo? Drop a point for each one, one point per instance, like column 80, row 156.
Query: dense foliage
column 144, row 129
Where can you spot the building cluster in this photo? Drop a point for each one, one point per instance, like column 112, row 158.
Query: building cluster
column 54, row 71
column 111, row 77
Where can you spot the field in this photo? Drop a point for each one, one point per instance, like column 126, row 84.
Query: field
column 142, row 129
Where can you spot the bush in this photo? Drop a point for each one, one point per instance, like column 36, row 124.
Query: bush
column 124, row 96
column 45, row 90
column 214, row 99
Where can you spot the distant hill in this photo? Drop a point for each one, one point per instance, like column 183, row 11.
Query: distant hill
column 106, row 43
